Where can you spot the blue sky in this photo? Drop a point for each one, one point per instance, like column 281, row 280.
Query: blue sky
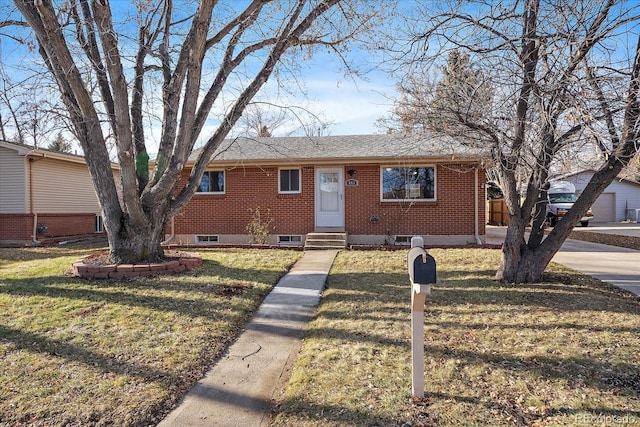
column 349, row 105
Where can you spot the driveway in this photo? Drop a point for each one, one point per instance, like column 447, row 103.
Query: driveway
column 612, row 264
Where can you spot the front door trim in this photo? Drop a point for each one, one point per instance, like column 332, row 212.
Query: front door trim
column 329, row 197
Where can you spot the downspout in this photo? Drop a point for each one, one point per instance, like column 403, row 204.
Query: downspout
column 173, row 230
column 34, row 231
column 476, row 204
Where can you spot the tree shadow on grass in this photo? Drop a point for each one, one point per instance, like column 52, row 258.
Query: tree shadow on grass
column 191, row 305
column 598, row 372
column 203, row 292
column 577, row 293
column 419, row 413
column 484, row 297
column 36, row 343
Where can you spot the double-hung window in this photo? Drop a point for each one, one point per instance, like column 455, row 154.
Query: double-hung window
column 289, row 181
column 212, row 182
column 408, row 183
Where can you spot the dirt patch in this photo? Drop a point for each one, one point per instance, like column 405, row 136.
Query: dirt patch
column 630, row 242
column 234, row 290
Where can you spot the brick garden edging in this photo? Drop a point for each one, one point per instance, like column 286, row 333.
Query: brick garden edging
column 123, row 271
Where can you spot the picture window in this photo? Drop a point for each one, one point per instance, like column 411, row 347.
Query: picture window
column 408, row 183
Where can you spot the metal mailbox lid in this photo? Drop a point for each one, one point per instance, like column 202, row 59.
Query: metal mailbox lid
column 421, row 266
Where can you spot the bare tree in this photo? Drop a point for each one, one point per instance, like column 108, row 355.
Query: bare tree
column 565, row 79
column 184, row 61
column 10, row 120
column 264, row 119
column 261, row 121
column 29, row 108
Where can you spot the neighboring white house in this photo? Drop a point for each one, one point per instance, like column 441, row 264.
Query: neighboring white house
column 618, row 202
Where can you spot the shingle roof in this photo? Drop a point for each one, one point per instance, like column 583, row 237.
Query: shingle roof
column 342, row 148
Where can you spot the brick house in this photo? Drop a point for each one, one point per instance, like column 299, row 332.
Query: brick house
column 45, row 195
column 362, row 190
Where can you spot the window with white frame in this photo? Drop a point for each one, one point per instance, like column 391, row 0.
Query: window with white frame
column 403, row 240
column 212, row 182
column 207, row 239
column 290, row 240
column 408, row 183
column 289, row 181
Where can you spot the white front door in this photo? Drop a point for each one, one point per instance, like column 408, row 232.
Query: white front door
column 329, row 197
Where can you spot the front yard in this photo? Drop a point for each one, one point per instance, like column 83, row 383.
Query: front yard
column 78, row 352
column 562, row 352
column 107, row 352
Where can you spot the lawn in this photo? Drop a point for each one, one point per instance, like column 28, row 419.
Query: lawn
column 107, row 352
column 562, row 352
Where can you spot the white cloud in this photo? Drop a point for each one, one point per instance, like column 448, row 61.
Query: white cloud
column 350, row 107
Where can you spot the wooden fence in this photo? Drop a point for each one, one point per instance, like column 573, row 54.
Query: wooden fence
column 497, row 212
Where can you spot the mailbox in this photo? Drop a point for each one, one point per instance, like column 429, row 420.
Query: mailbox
column 422, row 272
column 422, row 267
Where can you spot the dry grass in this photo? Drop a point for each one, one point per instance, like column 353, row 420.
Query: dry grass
column 77, row 352
column 630, row 242
column 562, row 352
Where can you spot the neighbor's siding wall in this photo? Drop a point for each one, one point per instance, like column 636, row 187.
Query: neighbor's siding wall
column 627, row 194
column 12, row 182
column 248, row 188
column 62, row 187
column 63, row 199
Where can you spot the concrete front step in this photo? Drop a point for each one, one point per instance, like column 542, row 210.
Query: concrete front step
column 325, row 240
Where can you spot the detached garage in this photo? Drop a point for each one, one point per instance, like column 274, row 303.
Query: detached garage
column 620, row 200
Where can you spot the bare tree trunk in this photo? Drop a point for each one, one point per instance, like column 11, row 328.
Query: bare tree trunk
column 521, row 264
column 132, row 243
column 2, row 133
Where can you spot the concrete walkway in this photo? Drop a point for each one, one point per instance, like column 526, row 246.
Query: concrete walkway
column 239, row 389
column 612, row 264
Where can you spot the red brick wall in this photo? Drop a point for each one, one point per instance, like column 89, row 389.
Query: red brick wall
column 20, row 226
column 16, row 226
column 68, row 224
column 245, row 190
column 452, row 213
column 248, row 188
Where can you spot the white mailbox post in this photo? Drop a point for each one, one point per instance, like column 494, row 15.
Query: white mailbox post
column 422, row 272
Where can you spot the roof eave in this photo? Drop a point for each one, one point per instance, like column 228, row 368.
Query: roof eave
column 342, row 161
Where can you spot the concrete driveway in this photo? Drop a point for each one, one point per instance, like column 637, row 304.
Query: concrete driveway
column 612, row 264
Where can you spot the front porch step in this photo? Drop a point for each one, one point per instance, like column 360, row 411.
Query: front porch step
column 322, row 240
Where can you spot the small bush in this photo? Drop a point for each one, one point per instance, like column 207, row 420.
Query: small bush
column 258, row 227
